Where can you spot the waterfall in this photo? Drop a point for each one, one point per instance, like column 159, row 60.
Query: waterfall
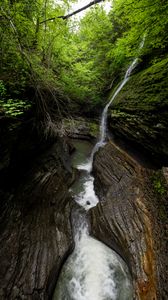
column 103, row 123
column 93, row 271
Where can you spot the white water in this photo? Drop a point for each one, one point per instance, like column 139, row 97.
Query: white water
column 87, row 198
column 103, row 124
column 93, row 271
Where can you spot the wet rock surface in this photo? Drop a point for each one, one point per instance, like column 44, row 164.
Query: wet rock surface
column 79, row 128
column 139, row 113
column 35, row 231
column 129, row 218
column 35, row 226
column 146, row 129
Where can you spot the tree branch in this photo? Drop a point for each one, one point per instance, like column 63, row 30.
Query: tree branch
column 74, row 12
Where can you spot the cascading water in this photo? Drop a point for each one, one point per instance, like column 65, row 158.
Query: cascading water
column 103, row 125
column 93, row 271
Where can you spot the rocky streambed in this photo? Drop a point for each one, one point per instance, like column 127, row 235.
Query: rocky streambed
column 36, row 232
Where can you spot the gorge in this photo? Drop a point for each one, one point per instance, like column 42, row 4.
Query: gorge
column 85, row 276
column 37, row 238
column 83, row 212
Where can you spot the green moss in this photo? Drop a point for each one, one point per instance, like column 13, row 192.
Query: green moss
column 82, row 126
column 160, row 188
column 158, row 183
column 146, row 90
column 94, row 129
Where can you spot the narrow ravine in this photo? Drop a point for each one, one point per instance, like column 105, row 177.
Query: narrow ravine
column 93, row 271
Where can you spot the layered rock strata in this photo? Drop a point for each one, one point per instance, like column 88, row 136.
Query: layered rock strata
column 35, row 232
column 139, row 113
column 129, row 218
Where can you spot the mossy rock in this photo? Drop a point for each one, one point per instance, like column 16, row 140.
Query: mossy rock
column 140, row 111
column 159, row 185
column 80, row 128
column 146, row 90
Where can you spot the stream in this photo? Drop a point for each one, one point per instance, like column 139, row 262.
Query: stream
column 93, row 271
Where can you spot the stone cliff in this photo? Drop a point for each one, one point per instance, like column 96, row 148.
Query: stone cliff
column 139, row 113
column 36, row 207
column 131, row 217
column 35, row 234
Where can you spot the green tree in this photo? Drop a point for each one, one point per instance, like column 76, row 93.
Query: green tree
column 58, row 61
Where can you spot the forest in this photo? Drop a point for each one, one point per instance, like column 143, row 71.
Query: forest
column 52, row 65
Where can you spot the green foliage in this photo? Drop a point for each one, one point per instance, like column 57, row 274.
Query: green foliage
column 158, row 183
column 12, row 107
column 87, row 71
column 105, row 44
column 143, row 17
column 160, row 187
column 2, row 89
column 32, row 54
column 83, row 62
